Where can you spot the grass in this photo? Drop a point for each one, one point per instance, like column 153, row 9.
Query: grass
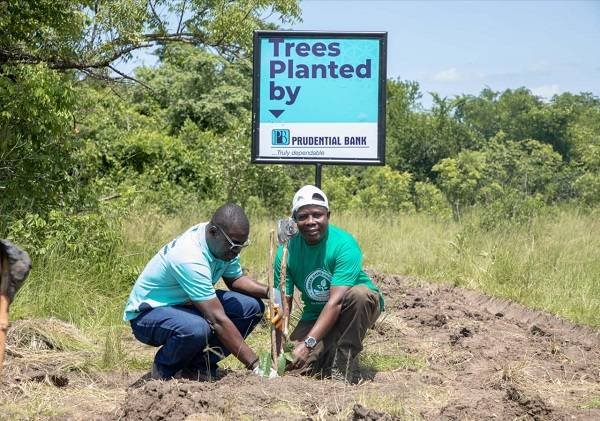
column 379, row 361
column 593, row 403
column 551, row 264
column 387, row 404
column 38, row 400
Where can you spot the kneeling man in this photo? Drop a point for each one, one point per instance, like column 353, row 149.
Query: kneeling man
column 174, row 305
column 340, row 300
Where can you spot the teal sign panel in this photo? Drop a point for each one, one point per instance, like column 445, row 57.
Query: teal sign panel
column 319, row 97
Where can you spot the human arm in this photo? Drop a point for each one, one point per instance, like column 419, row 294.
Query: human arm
column 329, row 315
column 247, row 285
column 347, row 267
column 194, row 275
column 212, row 310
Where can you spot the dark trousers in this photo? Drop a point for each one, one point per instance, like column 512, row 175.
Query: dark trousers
column 360, row 310
column 186, row 339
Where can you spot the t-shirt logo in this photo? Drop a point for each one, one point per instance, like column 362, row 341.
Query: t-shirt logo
column 317, row 285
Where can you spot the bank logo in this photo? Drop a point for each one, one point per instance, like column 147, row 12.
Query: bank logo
column 280, row 137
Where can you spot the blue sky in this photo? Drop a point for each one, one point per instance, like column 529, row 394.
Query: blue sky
column 455, row 47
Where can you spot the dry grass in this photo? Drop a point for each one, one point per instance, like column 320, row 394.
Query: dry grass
column 35, row 400
column 386, row 404
column 392, row 323
column 57, row 370
column 47, row 334
column 517, row 374
column 49, row 346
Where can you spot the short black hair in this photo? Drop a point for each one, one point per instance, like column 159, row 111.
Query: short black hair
column 229, row 215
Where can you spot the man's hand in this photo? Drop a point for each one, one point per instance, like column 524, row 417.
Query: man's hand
column 277, row 317
column 300, row 355
column 212, row 310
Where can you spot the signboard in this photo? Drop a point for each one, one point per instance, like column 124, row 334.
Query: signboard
column 319, row 97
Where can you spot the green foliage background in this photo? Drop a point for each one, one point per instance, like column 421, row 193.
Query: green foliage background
column 81, row 156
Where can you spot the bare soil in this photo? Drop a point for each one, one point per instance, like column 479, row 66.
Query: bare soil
column 480, row 358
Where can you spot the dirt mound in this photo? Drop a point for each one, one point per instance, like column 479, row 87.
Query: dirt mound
column 438, row 352
column 484, row 358
column 238, row 395
column 163, row 400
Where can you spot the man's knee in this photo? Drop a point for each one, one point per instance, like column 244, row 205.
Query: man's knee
column 197, row 333
column 253, row 307
column 360, row 301
column 261, row 307
column 357, row 296
column 238, row 305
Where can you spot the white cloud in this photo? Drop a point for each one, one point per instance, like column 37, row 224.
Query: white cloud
column 447, row 75
column 546, row 91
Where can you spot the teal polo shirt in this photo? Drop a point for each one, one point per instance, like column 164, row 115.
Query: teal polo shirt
column 183, row 270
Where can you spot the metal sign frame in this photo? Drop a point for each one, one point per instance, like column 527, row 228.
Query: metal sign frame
column 381, row 37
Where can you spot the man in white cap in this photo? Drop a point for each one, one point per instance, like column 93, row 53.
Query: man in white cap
column 340, row 300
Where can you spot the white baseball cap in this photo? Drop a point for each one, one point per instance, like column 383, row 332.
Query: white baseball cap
column 309, row 195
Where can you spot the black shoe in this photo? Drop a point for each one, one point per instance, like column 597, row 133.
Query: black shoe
column 202, row 375
column 155, row 374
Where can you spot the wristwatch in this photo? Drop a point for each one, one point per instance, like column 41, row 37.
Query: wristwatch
column 310, row 342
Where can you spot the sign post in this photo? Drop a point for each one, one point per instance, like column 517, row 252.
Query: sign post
column 319, row 98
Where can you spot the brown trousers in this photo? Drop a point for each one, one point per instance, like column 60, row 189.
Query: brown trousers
column 360, row 310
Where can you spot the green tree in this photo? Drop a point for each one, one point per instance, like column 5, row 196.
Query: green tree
column 36, row 140
column 193, row 84
column 47, row 48
column 419, row 140
column 529, row 166
column 91, row 35
column 521, row 116
column 461, row 178
column 384, row 190
column 585, row 135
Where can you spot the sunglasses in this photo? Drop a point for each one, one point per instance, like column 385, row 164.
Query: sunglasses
column 233, row 246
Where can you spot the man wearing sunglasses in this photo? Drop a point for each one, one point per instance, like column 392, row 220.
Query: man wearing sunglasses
column 174, row 304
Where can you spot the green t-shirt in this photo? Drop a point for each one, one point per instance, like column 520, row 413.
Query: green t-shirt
column 313, row 269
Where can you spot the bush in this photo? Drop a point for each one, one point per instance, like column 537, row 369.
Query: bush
column 340, row 191
column 588, row 188
column 84, row 236
column 461, row 178
column 384, row 190
column 512, row 208
column 430, row 200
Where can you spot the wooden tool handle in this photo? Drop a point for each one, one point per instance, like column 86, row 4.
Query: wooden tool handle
column 282, row 274
column 271, row 284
